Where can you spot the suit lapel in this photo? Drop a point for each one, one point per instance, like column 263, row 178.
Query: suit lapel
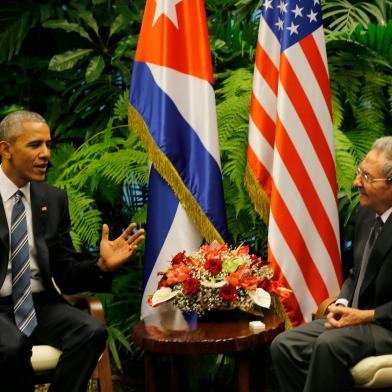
column 4, row 245
column 39, row 211
column 377, row 256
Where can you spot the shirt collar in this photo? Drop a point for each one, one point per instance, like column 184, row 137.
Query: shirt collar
column 386, row 214
column 8, row 188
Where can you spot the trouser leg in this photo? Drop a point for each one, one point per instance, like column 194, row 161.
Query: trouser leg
column 81, row 338
column 312, row 358
column 291, row 353
column 16, row 373
column 337, row 350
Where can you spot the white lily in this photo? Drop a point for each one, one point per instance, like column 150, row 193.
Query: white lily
column 212, row 284
column 162, row 295
column 261, row 297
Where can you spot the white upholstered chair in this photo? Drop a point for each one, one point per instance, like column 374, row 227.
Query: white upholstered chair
column 44, row 359
column 373, row 372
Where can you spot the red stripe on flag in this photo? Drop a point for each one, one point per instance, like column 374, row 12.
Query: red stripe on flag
column 261, row 173
column 305, row 111
column 295, row 241
column 308, row 193
column 290, row 304
column 267, row 68
column 262, row 120
column 316, row 62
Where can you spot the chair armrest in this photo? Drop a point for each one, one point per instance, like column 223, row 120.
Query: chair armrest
column 322, row 309
column 92, row 304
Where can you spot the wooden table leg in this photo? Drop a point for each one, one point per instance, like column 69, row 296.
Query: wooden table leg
column 263, row 355
column 242, row 360
column 150, row 374
column 176, row 371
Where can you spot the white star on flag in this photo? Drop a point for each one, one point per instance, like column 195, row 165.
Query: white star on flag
column 283, row 7
column 168, row 8
column 293, row 29
column 297, row 11
column 279, row 24
column 268, row 4
column 312, row 16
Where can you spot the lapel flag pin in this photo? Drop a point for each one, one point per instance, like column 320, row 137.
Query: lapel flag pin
column 44, row 208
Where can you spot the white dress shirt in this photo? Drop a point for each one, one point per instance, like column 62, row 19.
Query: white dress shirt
column 7, row 191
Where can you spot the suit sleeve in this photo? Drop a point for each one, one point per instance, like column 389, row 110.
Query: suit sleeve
column 73, row 272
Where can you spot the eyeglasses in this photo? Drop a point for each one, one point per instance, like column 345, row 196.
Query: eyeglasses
column 368, row 178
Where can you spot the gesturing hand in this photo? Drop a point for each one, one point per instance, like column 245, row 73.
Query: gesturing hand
column 342, row 316
column 115, row 253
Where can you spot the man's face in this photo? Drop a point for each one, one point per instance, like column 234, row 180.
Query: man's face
column 375, row 195
column 26, row 158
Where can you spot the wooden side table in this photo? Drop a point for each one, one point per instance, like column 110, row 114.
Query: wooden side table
column 208, row 337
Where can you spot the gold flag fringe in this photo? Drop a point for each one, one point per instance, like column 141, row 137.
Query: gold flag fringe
column 168, row 172
column 277, row 306
column 257, row 195
column 261, row 203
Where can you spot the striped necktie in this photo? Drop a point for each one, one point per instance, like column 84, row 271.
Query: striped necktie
column 24, row 311
column 374, row 233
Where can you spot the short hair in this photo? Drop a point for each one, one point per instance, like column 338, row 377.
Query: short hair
column 384, row 144
column 10, row 126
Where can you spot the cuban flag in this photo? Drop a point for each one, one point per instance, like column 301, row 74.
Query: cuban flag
column 172, row 108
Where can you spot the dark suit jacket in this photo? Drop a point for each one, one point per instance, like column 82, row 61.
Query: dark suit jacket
column 376, row 290
column 56, row 255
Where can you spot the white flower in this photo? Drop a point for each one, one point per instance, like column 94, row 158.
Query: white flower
column 212, row 284
column 163, row 295
column 260, row 297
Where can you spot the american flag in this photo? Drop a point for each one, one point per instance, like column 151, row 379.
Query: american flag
column 291, row 166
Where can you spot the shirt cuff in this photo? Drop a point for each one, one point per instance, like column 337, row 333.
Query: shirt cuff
column 341, row 301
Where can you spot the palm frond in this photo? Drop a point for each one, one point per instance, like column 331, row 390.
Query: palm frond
column 344, row 15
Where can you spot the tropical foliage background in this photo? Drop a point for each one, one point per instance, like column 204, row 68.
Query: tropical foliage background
column 70, row 60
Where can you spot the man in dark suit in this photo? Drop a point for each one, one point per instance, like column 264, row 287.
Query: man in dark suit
column 35, row 246
column 317, row 356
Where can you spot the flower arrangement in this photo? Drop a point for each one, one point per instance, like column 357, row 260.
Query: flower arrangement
column 218, row 277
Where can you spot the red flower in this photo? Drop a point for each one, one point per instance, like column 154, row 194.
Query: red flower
column 191, row 287
column 228, row 293
column 215, row 249
column 233, row 279
column 273, row 286
column 214, row 266
column 178, row 273
column 242, row 250
column 243, row 277
column 163, row 282
column 179, row 258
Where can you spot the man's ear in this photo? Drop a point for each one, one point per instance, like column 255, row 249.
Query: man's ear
column 5, row 149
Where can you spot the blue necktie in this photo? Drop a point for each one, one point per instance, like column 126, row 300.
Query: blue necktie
column 374, row 233
column 24, row 311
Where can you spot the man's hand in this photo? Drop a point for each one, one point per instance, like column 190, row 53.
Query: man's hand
column 115, row 253
column 342, row 316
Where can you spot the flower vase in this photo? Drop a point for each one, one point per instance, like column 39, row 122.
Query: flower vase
column 191, row 319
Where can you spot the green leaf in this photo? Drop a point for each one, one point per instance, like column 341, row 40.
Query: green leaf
column 372, row 35
column 387, row 38
column 95, row 68
column 118, row 24
column 67, row 60
column 88, row 17
column 15, row 25
column 67, row 26
column 379, row 38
